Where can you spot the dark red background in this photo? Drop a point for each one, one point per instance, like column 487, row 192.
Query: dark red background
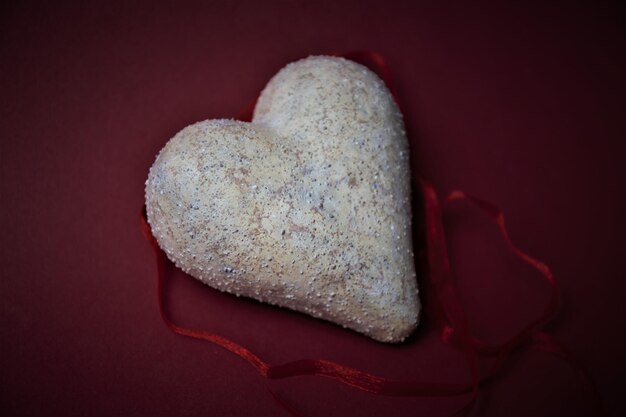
column 521, row 105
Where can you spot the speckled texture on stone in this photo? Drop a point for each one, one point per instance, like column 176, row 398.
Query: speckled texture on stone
column 307, row 207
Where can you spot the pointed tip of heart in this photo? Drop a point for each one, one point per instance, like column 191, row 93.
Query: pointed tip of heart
column 396, row 329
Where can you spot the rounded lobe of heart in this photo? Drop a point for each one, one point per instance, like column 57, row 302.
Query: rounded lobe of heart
column 307, row 207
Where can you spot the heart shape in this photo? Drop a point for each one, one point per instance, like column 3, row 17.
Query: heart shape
column 306, row 207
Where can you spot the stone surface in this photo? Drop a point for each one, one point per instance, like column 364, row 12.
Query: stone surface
column 307, row 207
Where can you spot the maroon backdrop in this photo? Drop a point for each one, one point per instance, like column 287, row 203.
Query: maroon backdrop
column 520, row 105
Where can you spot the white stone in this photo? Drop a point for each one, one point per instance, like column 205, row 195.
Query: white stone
column 288, row 215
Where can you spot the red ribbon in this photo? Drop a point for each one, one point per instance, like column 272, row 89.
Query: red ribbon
column 446, row 309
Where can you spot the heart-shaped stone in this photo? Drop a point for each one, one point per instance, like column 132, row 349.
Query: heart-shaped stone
column 307, row 207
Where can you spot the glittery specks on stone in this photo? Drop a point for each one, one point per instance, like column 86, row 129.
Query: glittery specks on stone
column 307, row 207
